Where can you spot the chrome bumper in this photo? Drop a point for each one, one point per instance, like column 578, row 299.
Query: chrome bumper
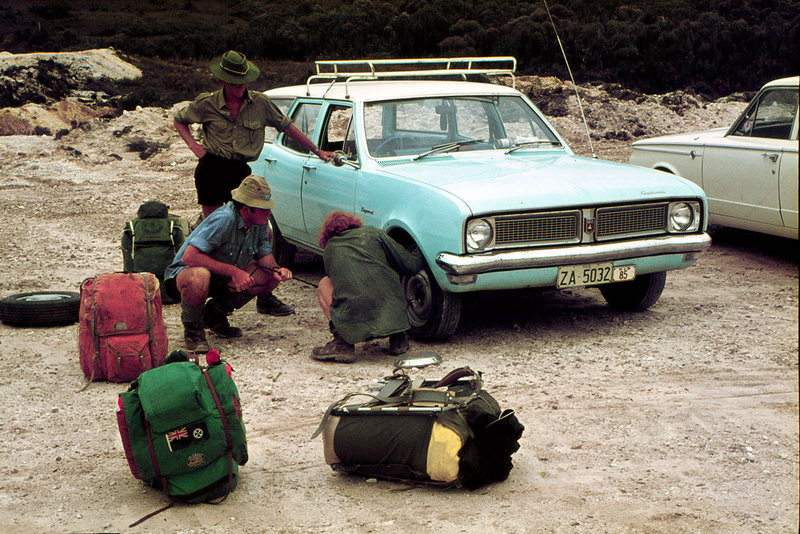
column 509, row 260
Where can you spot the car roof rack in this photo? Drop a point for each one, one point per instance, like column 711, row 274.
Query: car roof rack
column 375, row 69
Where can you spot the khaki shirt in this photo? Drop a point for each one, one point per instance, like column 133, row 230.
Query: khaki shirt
column 241, row 139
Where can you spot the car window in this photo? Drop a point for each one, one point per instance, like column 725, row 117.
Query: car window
column 772, row 116
column 305, row 118
column 270, row 134
column 413, row 126
column 338, row 133
column 519, row 126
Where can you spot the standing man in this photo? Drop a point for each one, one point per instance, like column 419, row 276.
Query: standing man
column 228, row 258
column 362, row 296
column 233, row 121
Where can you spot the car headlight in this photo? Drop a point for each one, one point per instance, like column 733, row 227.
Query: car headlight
column 479, row 234
column 684, row 216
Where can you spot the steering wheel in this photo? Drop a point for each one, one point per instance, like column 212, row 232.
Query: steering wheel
column 387, row 145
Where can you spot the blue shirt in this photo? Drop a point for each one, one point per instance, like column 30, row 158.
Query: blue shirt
column 224, row 236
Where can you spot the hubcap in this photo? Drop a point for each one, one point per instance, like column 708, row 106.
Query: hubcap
column 419, row 297
column 44, row 297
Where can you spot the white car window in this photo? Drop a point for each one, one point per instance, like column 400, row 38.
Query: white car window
column 772, row 117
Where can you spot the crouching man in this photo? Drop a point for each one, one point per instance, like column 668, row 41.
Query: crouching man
column 362, row 296
column 228, row 258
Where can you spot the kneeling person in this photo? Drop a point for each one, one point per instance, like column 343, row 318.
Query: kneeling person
column 362, row 296
column 228, row 258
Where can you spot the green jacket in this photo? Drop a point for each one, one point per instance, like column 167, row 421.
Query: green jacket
column 365, row 266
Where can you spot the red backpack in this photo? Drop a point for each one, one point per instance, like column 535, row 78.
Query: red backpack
column 121, row 330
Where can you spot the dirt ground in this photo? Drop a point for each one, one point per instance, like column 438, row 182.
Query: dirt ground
column 680, row 419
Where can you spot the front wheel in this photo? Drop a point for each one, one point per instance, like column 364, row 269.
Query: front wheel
column 434, row 314
column 636, row 295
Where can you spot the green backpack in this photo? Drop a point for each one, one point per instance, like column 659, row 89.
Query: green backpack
column 150, row 241
column 182, row 430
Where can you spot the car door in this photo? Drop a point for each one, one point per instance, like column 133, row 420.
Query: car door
column 741, row 171
column 286, row 167
column 326, row 187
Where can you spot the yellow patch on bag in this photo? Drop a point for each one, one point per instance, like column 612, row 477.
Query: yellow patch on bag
column 442, row 463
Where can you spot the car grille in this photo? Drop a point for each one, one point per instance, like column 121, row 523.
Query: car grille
column 564, row 227
column 514, row 230
column 630, row 221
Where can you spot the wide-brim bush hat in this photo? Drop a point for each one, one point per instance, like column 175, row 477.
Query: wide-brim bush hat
column 234, row 67
column 254, row 191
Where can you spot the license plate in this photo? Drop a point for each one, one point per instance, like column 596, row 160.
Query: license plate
column 594, row 273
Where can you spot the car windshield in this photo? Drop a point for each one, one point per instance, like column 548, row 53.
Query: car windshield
column 446, row 124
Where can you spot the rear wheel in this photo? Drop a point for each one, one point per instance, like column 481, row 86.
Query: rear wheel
column 282, row 251
column 636, row 295
column 433, row 313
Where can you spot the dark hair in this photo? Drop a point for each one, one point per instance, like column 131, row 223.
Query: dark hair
column 335, row 223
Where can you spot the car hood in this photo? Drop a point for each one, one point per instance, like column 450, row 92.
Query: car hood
column 516, row 182
column 693, row 138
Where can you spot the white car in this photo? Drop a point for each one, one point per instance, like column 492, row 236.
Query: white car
column 749, row 171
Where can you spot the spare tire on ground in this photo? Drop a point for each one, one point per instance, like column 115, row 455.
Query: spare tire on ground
column 40, row 308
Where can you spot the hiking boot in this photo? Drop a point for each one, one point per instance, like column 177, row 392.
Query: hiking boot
column 217, row 322
column 335, row 350
column 269, row 304
column 398, row 343
column 195, row 340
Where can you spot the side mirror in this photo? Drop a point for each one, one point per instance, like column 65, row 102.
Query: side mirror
column 339, row 158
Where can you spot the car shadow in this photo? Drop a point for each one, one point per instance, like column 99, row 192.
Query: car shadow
column 511, row 310
column 733, row 240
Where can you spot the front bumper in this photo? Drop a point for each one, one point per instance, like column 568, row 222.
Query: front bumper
column 509, row 260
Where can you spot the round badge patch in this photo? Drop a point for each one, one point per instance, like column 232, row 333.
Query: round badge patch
column 196, row 459
column 197, row 433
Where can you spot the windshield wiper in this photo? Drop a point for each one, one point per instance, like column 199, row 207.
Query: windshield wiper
column 529, row 144
column 447, row 147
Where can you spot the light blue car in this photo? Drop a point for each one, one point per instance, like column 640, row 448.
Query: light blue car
column 473, row 177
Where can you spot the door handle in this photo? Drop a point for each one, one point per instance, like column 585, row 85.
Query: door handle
column 308, row 167
column 270, row 160
column 773, row 157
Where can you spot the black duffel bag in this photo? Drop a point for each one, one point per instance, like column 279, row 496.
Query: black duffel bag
column 448, row 432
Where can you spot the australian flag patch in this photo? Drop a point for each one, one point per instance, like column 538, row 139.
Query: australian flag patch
column 186, row 436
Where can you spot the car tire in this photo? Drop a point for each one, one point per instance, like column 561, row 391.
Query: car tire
column 434, row 314
column 40, row 308
column 637, row 295
column 282, row 251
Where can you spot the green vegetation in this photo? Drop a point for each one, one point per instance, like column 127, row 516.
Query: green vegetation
column 713, row 47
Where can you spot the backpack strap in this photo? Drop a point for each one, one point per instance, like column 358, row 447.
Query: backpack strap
column 171, row 234
column 129, row 226
column 339, row 403
column 162, row 479
column 148, row 300
column 95, row 336
column 169, row 505
column 226, row 427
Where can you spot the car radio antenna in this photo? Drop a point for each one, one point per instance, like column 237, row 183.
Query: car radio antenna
column 571, row 77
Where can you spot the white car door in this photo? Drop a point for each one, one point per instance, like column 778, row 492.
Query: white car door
column 788, row 186
column 741, row 171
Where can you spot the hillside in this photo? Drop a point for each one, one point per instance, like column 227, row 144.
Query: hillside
column 653, row 46
column 615, row 115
